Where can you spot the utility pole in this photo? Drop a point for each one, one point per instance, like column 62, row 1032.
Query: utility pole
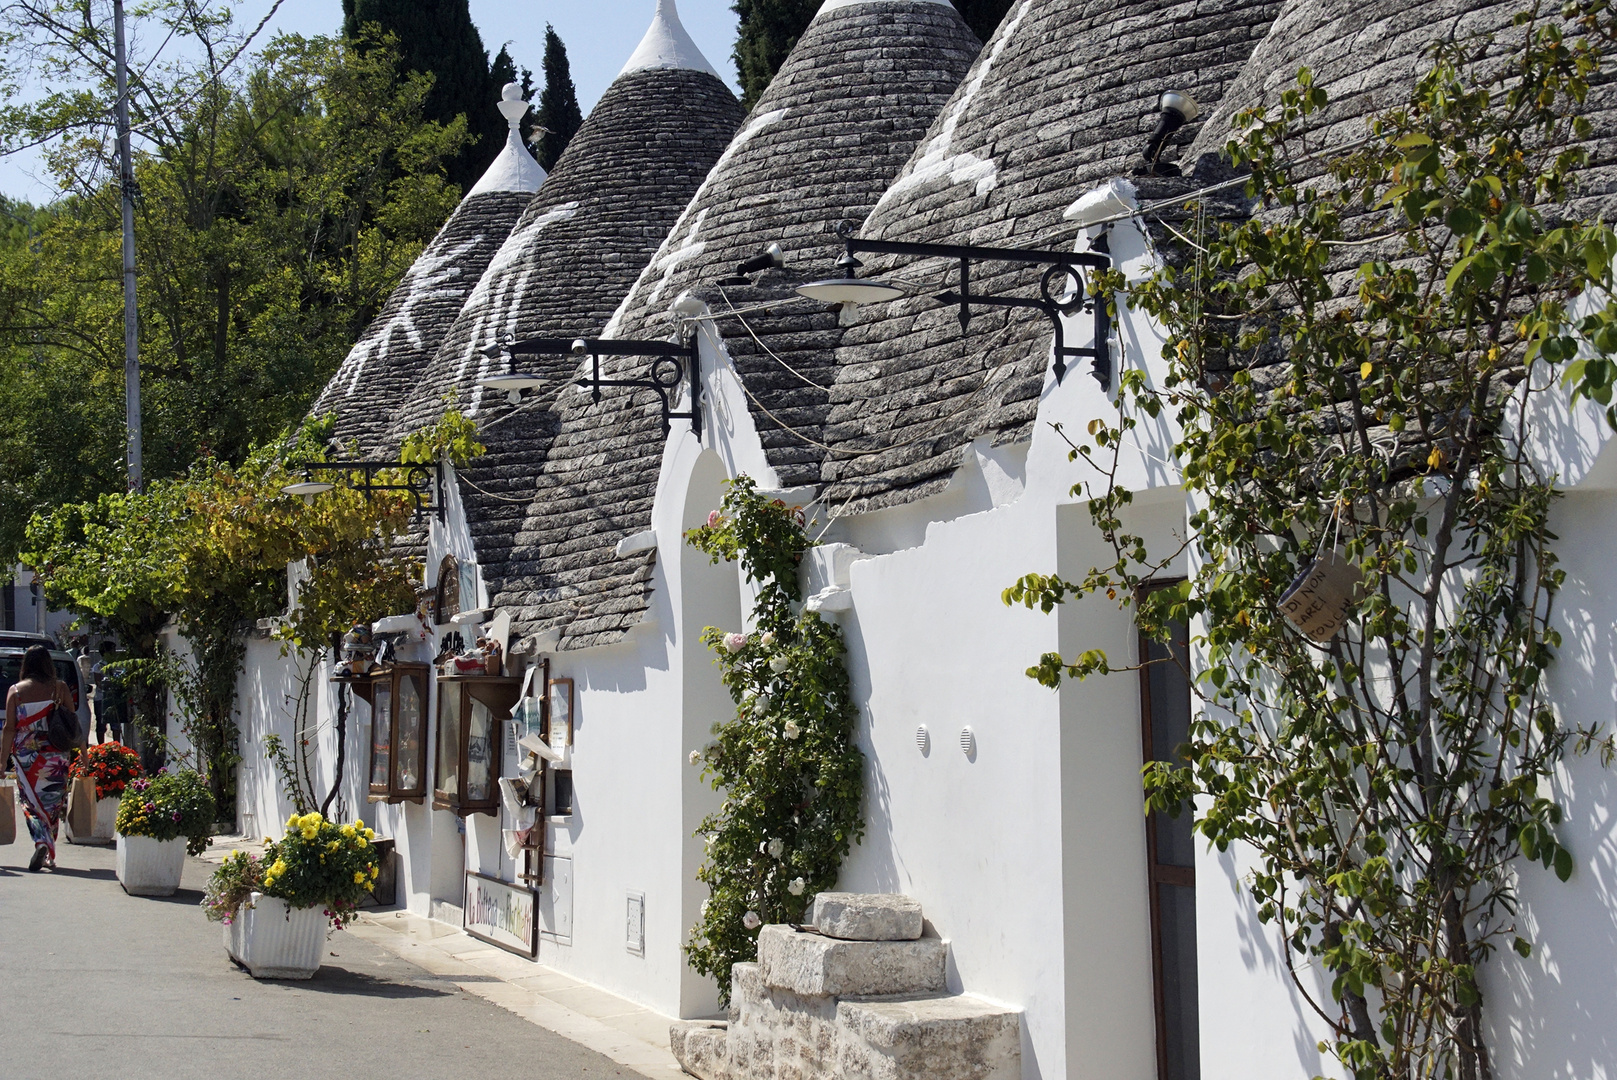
column 126, row 172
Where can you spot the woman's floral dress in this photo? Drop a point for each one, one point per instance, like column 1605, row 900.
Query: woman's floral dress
column 41, row 772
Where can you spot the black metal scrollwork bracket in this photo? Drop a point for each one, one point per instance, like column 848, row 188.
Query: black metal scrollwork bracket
column 671, row 362
column 1065, row 272
column 421, row 480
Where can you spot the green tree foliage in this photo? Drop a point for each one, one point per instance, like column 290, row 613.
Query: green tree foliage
column 211, row 549
column 983, row 16
column 437, row 37
column 791, row 775
column 770, row 28
column 558, row 114
column 281, row 200
column 1394, row 785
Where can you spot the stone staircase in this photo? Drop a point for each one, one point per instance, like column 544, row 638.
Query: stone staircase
column 859, row 995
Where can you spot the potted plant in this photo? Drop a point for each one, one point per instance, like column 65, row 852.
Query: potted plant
column 112, row 765
column 159, row 820
column 276, row 909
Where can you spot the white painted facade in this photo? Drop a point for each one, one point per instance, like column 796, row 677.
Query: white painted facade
column 1027, row 853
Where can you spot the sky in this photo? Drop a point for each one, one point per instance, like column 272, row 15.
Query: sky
column 599, row 35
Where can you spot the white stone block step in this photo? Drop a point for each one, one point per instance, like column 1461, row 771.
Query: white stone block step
column 815, row 965
column 953, row 1037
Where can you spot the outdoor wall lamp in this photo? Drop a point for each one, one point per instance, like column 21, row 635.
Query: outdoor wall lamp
column 771, row 258
column 1176, row 110
column 1061, row 289
column 418, row 480
column 671, row 362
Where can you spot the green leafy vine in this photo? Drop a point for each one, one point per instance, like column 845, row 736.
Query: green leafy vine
column 791, row 775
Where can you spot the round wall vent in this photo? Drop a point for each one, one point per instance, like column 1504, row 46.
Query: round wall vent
column 923, row 739
column 968, row 742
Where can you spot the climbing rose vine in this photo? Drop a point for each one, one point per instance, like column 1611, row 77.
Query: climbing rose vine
column 787, row 765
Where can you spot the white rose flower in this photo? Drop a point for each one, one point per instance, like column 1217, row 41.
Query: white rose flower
column 767, row 638
column 791, row 730
column 777, row 848
column 779, row 664
column 696, row 757
column 751, row 920
column 763, row 702
column 797, row 886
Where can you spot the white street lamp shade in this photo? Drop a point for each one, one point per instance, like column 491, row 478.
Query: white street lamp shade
column 1184, row 104
column 308, row 487
column 512, row 383
column 851, row 291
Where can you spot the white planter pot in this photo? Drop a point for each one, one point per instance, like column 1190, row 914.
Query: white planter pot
column 148, row 867
column 273, row 941
column 106, row 818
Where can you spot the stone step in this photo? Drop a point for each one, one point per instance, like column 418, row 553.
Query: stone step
column 867, row 916
column 815, row 965
column 930, row 1037
column 699, row 1047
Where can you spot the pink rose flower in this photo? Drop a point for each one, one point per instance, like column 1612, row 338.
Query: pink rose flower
column 735, row 642
column 713, row 518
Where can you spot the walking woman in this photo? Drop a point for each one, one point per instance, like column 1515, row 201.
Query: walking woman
column 41, row 768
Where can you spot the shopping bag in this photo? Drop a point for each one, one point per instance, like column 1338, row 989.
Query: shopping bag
column 8, row 813
column 81, row 807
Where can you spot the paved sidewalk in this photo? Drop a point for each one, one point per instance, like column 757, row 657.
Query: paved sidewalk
column 614, row 1027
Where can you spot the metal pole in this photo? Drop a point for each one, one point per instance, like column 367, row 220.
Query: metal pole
column 126, row 172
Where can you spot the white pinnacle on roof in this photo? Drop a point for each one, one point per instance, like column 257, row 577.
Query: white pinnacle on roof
column 667, row 45
column 514, row 169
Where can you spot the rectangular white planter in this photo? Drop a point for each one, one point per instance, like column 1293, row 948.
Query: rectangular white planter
column 148, row 867
column 273, row 941
column 106, row 824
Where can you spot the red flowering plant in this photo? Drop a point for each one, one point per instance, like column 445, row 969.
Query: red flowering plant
column 112, row 764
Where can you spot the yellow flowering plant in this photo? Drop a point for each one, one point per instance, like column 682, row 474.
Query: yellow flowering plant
column 322, row 862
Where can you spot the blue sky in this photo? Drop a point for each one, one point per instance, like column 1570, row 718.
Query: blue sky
column 599, row 34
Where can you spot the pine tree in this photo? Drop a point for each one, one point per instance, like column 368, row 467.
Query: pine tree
column 770, row 29
column 438, row 36
column 983, row 16
column 559, row 113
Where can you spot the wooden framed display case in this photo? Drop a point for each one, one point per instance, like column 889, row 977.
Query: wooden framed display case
column 471, row 714
column 398, row 698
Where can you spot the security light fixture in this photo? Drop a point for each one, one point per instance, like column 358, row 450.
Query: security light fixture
column 1176, row 110
column 1062, row 291
column 771, row 258
column 672, row 362
column 417, row 479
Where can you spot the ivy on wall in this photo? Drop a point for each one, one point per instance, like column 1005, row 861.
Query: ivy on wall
column 791, row 776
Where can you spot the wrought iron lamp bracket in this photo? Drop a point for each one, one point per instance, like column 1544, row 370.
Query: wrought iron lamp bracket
column 1063, row 266
column 671, row 362
column 421, row 481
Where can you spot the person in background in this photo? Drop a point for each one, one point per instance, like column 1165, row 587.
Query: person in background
column 108, row 697
column 25, row 743
column 89, row 661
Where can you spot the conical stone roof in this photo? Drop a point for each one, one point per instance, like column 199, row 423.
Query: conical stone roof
column 836, row 124
column 1064, row 96
column 563, row 271
column 381, row 370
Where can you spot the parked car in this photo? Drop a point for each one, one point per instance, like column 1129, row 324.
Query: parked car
column 67, row 669
column 21, row 639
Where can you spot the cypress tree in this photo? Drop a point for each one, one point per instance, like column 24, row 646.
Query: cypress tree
column 983, row 16
column 559, row 113
column 770, row 29
column 438, row 36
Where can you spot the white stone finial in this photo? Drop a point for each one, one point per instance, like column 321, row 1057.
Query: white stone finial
column 667, row 45
column 514, row 169
column 511, row 106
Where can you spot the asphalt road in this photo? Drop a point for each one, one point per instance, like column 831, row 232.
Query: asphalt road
column 98, row 985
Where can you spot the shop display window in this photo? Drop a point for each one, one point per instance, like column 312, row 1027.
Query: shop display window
column 472, row 711
column 398, row 761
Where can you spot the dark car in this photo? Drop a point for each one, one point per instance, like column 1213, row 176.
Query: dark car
column 67, row 669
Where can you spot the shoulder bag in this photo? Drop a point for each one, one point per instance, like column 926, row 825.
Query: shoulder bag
column 62, row 727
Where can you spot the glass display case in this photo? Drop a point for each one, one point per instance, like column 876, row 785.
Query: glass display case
column 397, row 695
column 471, row 712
